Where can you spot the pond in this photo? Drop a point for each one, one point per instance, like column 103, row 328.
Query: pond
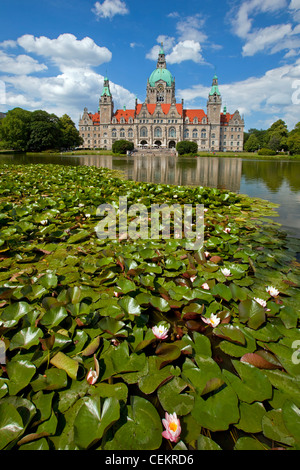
column 273, row 180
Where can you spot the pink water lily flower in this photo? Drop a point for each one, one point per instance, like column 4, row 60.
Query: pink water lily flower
column 160, row 331
column 272, row 291
column 173, row 428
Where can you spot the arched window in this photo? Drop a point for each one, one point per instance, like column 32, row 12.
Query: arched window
column 186, row 134
column 114, row 133
column 122, row 133
column 195, row 120
column 195, row 134
column 130, row 133
column 172, row 132
column 203, row 134
column 122, row 120
column 213, row 136
column 130, row 120
column 157, row 132
column 187, row 120
column 144, row 132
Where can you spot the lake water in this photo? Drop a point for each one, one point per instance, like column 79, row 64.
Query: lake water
column 273, row 180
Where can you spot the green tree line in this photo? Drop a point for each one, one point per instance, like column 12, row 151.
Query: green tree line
column 275, row 139
column 37, row 131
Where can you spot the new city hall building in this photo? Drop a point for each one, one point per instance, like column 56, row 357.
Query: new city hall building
column 162, row 122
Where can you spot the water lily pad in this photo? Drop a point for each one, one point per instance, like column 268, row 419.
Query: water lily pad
column 93, row 419
column 218, row 411
column 11, row 424
column 252, row 386
column 172, row 400
column 141, row 430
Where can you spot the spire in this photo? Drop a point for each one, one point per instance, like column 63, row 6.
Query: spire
column 215, row 87
column 161, row 63
column 106, row 90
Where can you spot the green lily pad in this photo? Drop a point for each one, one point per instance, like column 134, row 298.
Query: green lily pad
column 93, row 419
column 218, row 411
column 172, row 400
column 141, row 430
column 252, row 386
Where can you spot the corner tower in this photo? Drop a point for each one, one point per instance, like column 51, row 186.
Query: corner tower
column 161, row 83
column 106, row 104
column 214, row 103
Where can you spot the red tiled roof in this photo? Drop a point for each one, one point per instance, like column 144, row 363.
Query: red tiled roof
column 126, row 114
column 95, row 118
column 225, row 118
column 192, row 113
column 165, row 108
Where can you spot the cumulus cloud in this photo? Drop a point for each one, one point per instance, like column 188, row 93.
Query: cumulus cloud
column 66, row 50
column 271, row 39
column 76, row 86
column 110, row 8
column 270, row 95
column 187, row 45
column 19, row 65
column 185, row 50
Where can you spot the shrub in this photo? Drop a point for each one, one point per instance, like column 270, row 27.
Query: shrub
column 265, row 151
column 186, row 147
column 121, row 146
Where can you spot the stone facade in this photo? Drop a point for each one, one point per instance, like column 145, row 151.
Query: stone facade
column 162, row 122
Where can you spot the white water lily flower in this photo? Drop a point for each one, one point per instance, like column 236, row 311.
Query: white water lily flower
column 262, row 302
column 227, row 230
column 205, row 286
column 160, row 331
column 226, row 272
column 213, row 320
column 272, row 291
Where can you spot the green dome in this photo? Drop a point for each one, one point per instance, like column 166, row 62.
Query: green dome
column 161, row 74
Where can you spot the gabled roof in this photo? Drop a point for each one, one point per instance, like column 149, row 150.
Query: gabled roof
column 125, row 113
column 192, row 113
column 164, row 107
column 95, row 118
column 225, row 118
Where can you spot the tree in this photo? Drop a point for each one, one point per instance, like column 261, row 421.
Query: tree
column 252, row 144
column 70, row 136
column 45, row 132
column 277, row 136
column 15, row 129
column 293, row 140
column 186, row 147
column 121, row 146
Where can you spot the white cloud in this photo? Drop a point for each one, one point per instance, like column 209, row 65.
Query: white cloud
column 269, row 96
column 75, row 87
column 185, row 50
column 266, row 38
column 187, row 45
column 19, row 65
column 66, row 51
column 242, row 22
column 110, row 8
column 271, row 39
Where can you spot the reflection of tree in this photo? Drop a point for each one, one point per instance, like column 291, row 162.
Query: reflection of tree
column 273, row 173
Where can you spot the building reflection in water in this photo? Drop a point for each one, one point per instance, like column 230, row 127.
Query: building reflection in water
column 221, row 173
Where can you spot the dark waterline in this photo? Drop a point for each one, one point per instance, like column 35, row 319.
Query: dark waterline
column 277, row 181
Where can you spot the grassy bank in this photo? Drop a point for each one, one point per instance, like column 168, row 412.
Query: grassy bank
column 71, row 302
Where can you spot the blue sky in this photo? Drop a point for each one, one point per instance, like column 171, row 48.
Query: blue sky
column 54, row 54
